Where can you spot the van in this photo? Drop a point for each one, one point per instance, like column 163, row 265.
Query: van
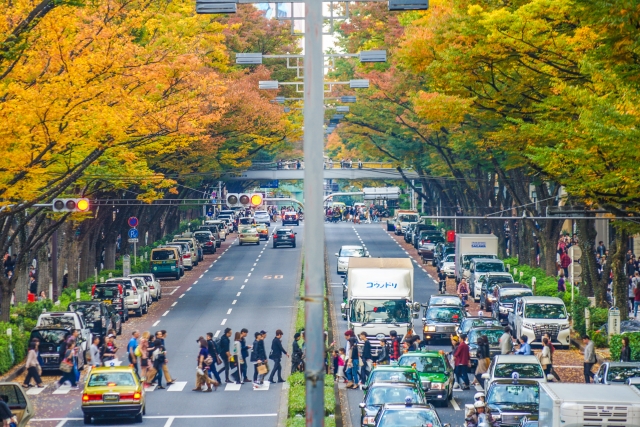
column 185, row 253
column 222, row 228
column 193, row 247
column 166, row 262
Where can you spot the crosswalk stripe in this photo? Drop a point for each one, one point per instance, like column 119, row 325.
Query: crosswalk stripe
column 177, row 386
column 62, row 390
column 232, row 387
column 35, row 390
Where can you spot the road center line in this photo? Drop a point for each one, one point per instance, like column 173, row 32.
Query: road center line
column 238, row 294
column 223, row 321
column 234, row 302
column 455, row 404
column 195, row 283
column 156, row 323
column 181, row 295
column 174, row 304
column 242, row 287
column 246, row 280
column 201, row 276
column 229, row 311
column 165, row 313
column 249, row 275
column 255, row 263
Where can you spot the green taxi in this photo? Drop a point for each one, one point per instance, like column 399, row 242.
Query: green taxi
column 434, row 367
column 392, row 373
column 113, row 392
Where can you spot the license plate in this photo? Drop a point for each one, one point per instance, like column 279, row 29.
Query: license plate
column 107, row 301
column 110, row 398
column 285, row 238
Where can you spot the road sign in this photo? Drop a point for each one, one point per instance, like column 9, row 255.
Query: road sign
column 132, row 240
column 133, row 221
column 575, row 253
column 270, row 184
column 577, row 270
column 133, row 233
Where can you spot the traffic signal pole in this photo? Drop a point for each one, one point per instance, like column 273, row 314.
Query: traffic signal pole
column 314, row 221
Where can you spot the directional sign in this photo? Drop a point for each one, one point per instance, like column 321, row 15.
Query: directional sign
column 133, row 233
column 133, row 221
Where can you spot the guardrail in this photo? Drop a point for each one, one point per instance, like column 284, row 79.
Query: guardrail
column 289, row 165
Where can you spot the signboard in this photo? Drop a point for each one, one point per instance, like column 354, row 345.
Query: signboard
column 133, row 233
column 133, row 240
column 133, row 221
column 126, row 265
column 270, row 184
column 478, row 245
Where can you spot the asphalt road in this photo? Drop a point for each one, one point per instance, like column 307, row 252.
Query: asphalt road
column 379, row 243
column 249, row 287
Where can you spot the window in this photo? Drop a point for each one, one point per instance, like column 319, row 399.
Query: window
column 413, row 417
column 380, row 311
column 91, row 312
column 619, row 374
column 525, row 370
column 13, row 396
column 545, row 311
column 106, row 292
column 408, row 218
column 382, row 395
column 514, row 394
column 63, row 321
column 399, row 376
column 51, row 336
column 103, row 379
column 444, row 314
column 490, row 267
column 352, row 252
column 493, row 335
column 508, row 296
column 424, row 363
column 162, row 255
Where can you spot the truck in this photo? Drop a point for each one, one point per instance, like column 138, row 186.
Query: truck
column 402, row 219
column 380, row 298
column 470, row 245
column 574, row 405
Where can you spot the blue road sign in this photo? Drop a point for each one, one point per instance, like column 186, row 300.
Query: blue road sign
column 133, row 233
column 133, row 222
column 270, row 184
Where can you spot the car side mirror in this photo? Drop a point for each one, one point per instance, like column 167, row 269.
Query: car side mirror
column 426, row 385
column 337, row 254
column 485, row 376
column 424, row 319
column 362, row 405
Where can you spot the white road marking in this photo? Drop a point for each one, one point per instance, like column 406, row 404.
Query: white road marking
column 165, row 313
column 479, row 387
column 211, row 266
column 223, row 321
column 254, row 264
column 246, row 280
column 61, row 423
column 156, row 323
column 232, row 387
column 249, row 275
column 174, row 304
column 257, row 259
column 263, row 387
column 174, row 291
column 234, row 302
column 188, row 289
column 150, row 388
column 195, row 283
column 242, row 287
column 216, row 334
column 65, row 389
column 201, row 276
column 164, row 417
column 206, row 271
column 238, row 294
column 169, row 422
column 181, row 295
column 251, row 270
column 177, row 386
column 35, row 390
column 455, row 404
column 229, row 311
column 336, row 286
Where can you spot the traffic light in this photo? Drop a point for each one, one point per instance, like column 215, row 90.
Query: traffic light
column 256, row 199
column 71, row 205
column 245, row 200
column 232, row 200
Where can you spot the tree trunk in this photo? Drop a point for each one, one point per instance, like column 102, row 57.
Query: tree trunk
column 6, row 286
column 587, row 238
column 620, row 282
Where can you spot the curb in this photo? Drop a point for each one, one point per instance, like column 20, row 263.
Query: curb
column 15, row 373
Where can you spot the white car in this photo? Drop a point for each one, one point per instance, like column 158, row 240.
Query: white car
column 155, row 289
column 262, row 217
column 135, row 299
column 533, row 316
column 222, row 229
column 346, row 252
column 449, row 265
column 504, row 365
column 68, row 320
column 185, row 253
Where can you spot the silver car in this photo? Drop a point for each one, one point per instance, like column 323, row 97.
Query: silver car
column 135, row 299
column 617, row 373
column 346, row 252
column 262, row 217
column 155, row 289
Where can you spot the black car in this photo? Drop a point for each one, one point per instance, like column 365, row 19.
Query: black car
column 290, row 218
column 422, row 236
column 505, row 295
column 97, row 316
column 442, row 250
column 420, row 227
column 52, row 346
column 441, row 321
column 512, row 400
column 385, row 392
column 489, row 282
column 493, row 334
column 284, row 237
column 214, row 230
column 111, row 293
column 207, row 241
column 407, row 415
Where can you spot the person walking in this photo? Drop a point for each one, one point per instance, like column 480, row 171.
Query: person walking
column 244, row 352
column 394, row 353
column 165, row 367
column 225, row 353
column 353, row 362
column 636, row 300
column 236, row 355
column 296, row 354
column 506, row 341
column 213, row 352
column 461, row 359
column 94, row 351
column 545, row 356
column 259, row 359
column 131, row 350
column 204, row 361
column 143, row 354
column 562, row 286
column 383, row 353
column 525, row 347
column 589, row 358
column 276, row 355
column 552, row 351
column 159, row 359
column 625, row 351
column 484, row 359
column 67, row 366
column 33, row 366
column 367, row 359
column 109, row 349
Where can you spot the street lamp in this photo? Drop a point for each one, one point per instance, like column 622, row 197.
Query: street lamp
column 207, row 7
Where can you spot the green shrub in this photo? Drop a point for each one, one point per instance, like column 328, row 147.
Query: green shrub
column 615, row 344
column 297, row 401
column 10, row 355
column 599, row 316
column 301, row 422
column 296, row 379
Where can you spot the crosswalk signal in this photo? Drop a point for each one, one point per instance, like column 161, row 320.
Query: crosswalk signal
column 71, row 205
column 256, row 200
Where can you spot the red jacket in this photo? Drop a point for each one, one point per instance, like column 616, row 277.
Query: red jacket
column 461, row 355
column 565, row 260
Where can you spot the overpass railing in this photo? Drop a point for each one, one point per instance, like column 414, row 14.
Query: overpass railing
column 293, row 164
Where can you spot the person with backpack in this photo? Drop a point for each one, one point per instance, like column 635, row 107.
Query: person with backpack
column 213, row 352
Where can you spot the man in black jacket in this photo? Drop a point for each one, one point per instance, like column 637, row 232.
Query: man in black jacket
column 367, row 358
column 276, row 355
column 296, row 354
column 211, row 348
column 258, row 356
column 225, row 354
column 244, row 350
column 6, row 416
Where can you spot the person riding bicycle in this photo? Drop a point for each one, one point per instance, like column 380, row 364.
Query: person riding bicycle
column 442, row 280
column 463, row 290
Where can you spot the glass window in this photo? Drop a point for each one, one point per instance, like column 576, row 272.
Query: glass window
column 525, row 370
column 380, row 311
column 282, row 232
column 382, row 395
column 102, row 379
column 493, row 335
column 444, row 314
column 413, row 417
column 352, row 252
column 619, row 374
column 400, row 376
column 162, row 255
column 490, row 267
column 12, row 396
column 91, row 312
column 424, row 363
column 450, row 258
column 545, row 311
column 408, row 218
column 106, row 292
column 51, row 336
column 514, row 394
column 63, row 321
column 509, row 296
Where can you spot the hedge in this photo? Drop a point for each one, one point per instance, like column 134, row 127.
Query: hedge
column 297, row 398
column 615, row 344
column 10, row 355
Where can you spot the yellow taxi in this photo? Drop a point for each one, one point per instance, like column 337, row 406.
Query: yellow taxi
column 248, row 235
column 113, row 392
column 263, row 231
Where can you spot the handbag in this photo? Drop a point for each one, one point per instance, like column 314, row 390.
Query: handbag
column 545, row 361
column 262, row 369
column 66, row 367
column 208, row 361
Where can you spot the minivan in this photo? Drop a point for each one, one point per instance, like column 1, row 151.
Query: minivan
column 166, row 262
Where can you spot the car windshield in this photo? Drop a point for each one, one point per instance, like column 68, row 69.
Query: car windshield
column 509, row 295
column 111, row 379
column 125, row 283
column 445, row 300
column 399, row 376
column 619, row 374
column 382, row 395
column 91, row 312
column 352, row 252
column 490, row 267
column 467, row 324
column 248, row 230
column 246, row 220
column 450, row 258
column 52, row 336
column 202, row 237
column 545, row 311
column 466, row 259
column 520, row 394
column 444, row 314
column 64, row 321
column 106, row 292
column 162, row 255
column 424, row 363
column 408, row 218
column 380, row 311
column 525, row 370
column 409, row 418
column 493, row 335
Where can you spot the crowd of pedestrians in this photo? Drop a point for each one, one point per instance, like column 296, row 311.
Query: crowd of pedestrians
column 355, row 214
column 344, row 164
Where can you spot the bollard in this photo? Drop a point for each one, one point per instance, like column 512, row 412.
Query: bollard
column 77, row 294
column 51, row 290
column 515, row 271
column 521, row 274
column 9, row 333
column 110, row 275
column 533, row 285
column 508, row 267
column 101, row 279
column 587, row 318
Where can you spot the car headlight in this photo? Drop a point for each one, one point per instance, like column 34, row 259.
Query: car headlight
column 563, row 327
column 473, row 353
column 504, row 310
column 528, row 325
column 429, row 328
column 369, row 420
column 437, row 386
column 491, row 298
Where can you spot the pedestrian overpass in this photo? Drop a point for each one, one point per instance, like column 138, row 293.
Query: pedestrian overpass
column 369, row 170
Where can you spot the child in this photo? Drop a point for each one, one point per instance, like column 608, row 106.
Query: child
column 341, row 356
column 334, row 360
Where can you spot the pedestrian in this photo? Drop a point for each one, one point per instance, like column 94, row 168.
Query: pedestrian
column 341, row 362
column 506, row 341
column 213, row 352
column 394, row 353
column 545, row 356
column 625, row 351
column 94, row 351
column 367, row 358
column 276, row 355
column 383, row 353
column 565, row 262
column 33, row 366
column 244, row 351
column 236, row 358
column 335, row 363
column 562, row 287
column 259, row 359
column 159, row 359
column 484, row 359
column 525, row 347
column 204, row 361
column 589, row 358
column 296, row 354
column 225, row 354
column 552, row 351
column 143, row 354
column 132, row 347
column 636, row 301
column 67, row 366
column 109, row 349
column 42, row 296
column 33, row 285
column 8, row 418
column 353, row 362
column 165, row 367
column 461, row 359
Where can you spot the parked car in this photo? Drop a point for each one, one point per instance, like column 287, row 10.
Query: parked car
column 407, row 414
column 53, row 346
column 116, row 319
column 442, row 251
column 504, row 296
column 478, row 267
column 284, row 236
column 221, row 227
column 69, row 320
column 18, row 402
column 206, row 240
column 408, row 232
column 111, row 294
column 616, row 373
column 135, row 299
column 427, row 246
column 533, row 316
column 189, row 253
column 155, row 288
column 449, row 266
column 95, row 314
column 214, row 230
column 166, row 262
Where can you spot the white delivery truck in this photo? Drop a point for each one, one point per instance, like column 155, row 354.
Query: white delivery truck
column 380, row 297
column 577, row 405
column 469, row 246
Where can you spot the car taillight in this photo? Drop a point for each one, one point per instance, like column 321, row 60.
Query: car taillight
column 275, row 236
column 187, row 256
column 91, row 397
column 116, row 300
column 151, row 287
column 242, row 235
column 292, row 236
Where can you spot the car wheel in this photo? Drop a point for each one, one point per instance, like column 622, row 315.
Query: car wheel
column 138, row 418
column 139, row 312
column 274, row 246
column 294, row 245
column 87, row 419
column 178, row 276
column 145, row 309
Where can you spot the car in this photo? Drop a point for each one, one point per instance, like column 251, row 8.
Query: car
column 96, row 315
column 387, row 373
column 504, row 365
column 290, row 218
column 247, row 234
column 166, row 262
column 284, row 236
column 449, row 266
column 512, row 400
column 441, row 321
column 493, row 334
column 408, row 232
column 113, row 392
column 142, row 286
column 263, row 231
column 194, row 247
column 478, row 267
column 488, row 282
column 470, row 322
column 188, row 257
column 633, row 382
column 209, row 232
column 18, row 402
column 69, row 320
column 432, row 366
column 247, row 221
column 207, row 240
column 616, row 373
column 504, row 296
column 52, row 346
column 427, row 245
column 116, row 320
column 526, row 422
column 155, row 288
column 442, row 251
column 407, row 414
column 423, row 237
column 134, row 299
column 534, row 316
column 444, row 299
column 221, row 226
column 111, row 294
column 262, row 217
column 384, row 393
column 346, row 252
